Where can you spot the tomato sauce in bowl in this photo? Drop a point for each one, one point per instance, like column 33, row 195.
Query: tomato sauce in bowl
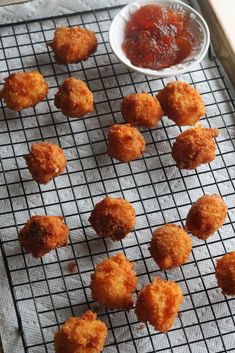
column 158, row 37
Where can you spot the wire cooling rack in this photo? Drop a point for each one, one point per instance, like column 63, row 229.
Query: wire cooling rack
column 44, row 292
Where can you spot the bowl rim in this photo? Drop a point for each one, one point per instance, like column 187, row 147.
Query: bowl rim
column 158, row 73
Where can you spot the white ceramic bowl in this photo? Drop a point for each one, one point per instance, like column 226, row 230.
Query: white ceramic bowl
column 117, row 36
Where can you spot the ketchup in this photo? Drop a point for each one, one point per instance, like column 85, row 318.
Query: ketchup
column 157, row 37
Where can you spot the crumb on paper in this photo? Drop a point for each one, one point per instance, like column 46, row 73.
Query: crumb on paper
column 141, row 326
column 72, row 266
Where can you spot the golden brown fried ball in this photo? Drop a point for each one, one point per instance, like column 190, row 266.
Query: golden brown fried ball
column 83, row 334
column 22, row 90
column 113, row 217
column 206, row 216
column 194, row 147
column 170, row 246
column 225, row 273
column 73, row 44
column 158, row 303
column 182, row 103
column 125, row 142
column 42, row 234
column 74, row 98
column 141, row 109
column 45, row 161
column 113, row 283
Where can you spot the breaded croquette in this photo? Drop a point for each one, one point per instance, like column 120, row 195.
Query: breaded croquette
column 83, row 334
column 41, row 234
column 45, row 161
column 125, row 142
column 158, row 303
column 73, row 44
column 206, row 216
column 113, row 283
column 23, row 90
column 225, row 273
column 181, row 103
column 194, row 147
column 170, row 246
column 141, row 109
column 113, row 217
column 74, row 98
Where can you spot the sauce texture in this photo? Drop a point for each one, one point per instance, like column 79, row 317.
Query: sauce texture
column 158, row 37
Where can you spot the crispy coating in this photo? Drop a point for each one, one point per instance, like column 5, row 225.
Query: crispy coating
column 225, row 273
column 113, row 283
column 182, row 103
column 22, row 90
column 125, row 142
column 113, row 217
column 41, row 234
column 141, row 109
column 206, row 216
column 74, row 98
column 194, row 147
column 83, row 334
column 45, row 161
column 170, row 246
column 73, row 44
column 158, row 303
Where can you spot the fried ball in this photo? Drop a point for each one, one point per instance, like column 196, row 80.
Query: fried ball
column 225, row 273
column 194, row 147
column 141, row 109
column 83, row 334
column 113, row 217
column 182, row 103
column 206, row 216
column 113, row 283
column 125, row 142
column 74, row 98
column 158, row 303
column 45, row 161
column 23, row 90
column 41, row 234
column 73, row 44
column 170, row 246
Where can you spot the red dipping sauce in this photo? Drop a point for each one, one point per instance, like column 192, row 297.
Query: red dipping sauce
column 157, row 37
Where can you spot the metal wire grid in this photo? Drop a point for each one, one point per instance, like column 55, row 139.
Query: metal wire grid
column 44, row 292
